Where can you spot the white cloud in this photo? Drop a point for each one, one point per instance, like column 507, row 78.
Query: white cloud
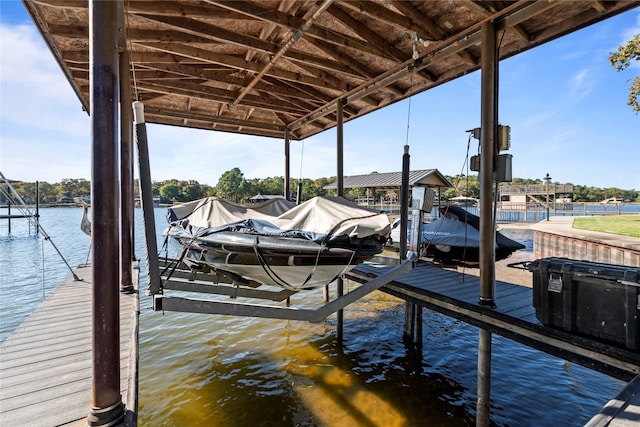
column 45, row 135
column 44, row 132
column 581, row 85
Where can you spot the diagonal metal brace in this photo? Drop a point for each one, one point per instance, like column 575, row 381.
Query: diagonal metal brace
column 191, row 305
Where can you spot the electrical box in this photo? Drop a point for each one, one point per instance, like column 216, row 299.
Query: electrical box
column 503, row 168
column 503, row 171
column 504, row 138
column 474, row 163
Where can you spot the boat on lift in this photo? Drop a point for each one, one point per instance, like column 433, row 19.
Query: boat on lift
column 454, row 238
column 276, row 243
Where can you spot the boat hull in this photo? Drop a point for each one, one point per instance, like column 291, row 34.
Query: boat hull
column 288, row 263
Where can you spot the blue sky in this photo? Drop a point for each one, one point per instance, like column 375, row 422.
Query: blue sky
column 565, row 103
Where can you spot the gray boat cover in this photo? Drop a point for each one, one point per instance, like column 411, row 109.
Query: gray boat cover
column 450, row 231
column 320, row 216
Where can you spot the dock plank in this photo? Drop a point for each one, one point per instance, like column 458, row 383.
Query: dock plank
column 456, row 294
column 46, row 369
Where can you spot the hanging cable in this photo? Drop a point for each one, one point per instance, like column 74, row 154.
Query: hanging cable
column 26, row 212
column 406, row 141
column 301, row 158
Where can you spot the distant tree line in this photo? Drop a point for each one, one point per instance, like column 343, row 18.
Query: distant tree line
column 233, row 186
column 66, row 189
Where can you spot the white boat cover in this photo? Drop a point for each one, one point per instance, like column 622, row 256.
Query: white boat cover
column 329, row 216
column 214, row 212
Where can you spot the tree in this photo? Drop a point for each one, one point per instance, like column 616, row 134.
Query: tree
column 231, row 184
column 621, row 60
column 192, row 192
column 170, row 191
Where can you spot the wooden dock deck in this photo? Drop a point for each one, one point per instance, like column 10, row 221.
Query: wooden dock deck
column 46, row 363
column 455, row 294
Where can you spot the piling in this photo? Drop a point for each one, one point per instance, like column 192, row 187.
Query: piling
column 106, row 402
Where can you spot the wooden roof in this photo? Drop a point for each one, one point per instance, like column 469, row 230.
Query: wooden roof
column 393, row 180
column 260, row 67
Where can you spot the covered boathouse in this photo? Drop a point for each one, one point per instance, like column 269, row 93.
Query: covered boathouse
column 281, row 69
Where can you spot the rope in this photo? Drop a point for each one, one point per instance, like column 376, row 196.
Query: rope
column 274, row 276
column 267, row 269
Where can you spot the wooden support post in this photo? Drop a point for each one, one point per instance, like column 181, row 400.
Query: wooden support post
column 106, row 402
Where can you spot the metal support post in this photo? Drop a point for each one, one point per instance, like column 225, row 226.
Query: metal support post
column 340, row 193
column 287, row 167
column 126, row 172
column 146, row 201
column 488, row 160
column 106, row 402
column 404, row 203
column 488, row 142
column 409, row 321
column 547, row 179
column 37, row 207
column 484, row 378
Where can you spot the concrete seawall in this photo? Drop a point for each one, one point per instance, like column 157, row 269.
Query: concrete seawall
column 558, row 238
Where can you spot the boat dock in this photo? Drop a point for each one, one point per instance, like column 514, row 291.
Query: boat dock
column 46, row 363
column 46, row 369
column 456, row 294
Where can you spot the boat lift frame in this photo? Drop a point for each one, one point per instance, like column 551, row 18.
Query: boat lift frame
column 163, row 302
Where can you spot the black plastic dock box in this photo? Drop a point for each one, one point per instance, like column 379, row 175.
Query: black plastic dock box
column 596, row 300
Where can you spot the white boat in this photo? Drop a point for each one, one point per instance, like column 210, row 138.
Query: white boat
column 454, row 238
column 464, row 201
column 295, row 248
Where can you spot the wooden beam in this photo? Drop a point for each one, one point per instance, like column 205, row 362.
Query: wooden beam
column 384, row 46
column 228, row 77
column 321, row 81
column 292, row 22
column 277, row 129
column 222, row 35
column 383, row 14
column 195, row 90
column 429, row 28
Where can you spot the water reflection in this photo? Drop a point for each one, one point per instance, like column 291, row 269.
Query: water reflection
column 293, row 373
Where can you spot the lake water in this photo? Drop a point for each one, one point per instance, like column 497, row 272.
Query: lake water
column 206, row 370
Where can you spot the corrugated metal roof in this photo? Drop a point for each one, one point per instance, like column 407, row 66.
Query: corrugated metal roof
column 393, row 180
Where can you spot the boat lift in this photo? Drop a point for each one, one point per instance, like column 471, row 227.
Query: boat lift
column 181, row 279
